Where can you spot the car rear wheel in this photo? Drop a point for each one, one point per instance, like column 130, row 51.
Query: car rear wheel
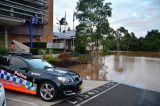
column 47, row 91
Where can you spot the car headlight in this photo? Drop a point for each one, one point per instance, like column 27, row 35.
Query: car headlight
column 65, row 80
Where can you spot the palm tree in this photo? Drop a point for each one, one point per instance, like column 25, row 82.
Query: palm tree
column 61, row 22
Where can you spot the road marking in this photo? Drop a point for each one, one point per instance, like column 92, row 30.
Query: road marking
column 79, row 98
column 23, row 101
column 96, row 95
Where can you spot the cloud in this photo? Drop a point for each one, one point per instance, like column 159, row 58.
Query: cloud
column 138, row 16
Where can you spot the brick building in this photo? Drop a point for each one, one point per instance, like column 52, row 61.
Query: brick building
column 15, row 18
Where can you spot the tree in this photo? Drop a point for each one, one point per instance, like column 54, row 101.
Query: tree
column 134, row 44
column 81, row 39
column 125, row 38
column 152, row 41
column 61, row 22
column 93, row 17
column 119, row 33
column 108, row 41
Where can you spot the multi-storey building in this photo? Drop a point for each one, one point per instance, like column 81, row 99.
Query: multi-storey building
column 15, row 18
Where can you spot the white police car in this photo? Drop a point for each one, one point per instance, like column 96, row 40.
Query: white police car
column 2, row 96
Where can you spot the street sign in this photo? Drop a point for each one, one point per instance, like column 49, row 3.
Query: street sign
column 33, row 20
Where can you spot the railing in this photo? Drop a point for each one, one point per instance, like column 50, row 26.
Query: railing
column 20, row 13
column 22, row 8
column 24, row 5
column 55, row 45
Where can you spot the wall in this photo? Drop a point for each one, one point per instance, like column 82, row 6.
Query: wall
column 48, row 29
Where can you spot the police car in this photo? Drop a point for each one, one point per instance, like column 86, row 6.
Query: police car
column 25, row 73
column 2, row 96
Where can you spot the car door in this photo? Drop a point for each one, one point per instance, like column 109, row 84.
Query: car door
column 19, row 76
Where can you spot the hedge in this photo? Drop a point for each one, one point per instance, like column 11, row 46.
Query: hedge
column 4, row 50
column 37, row 51
column 37, row 44
column 34, row 51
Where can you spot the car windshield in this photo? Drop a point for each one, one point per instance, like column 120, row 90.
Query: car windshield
column 39, row 63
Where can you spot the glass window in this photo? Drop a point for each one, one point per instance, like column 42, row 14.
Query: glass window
column 4, row 61
column 39, row 63
column 17, row 63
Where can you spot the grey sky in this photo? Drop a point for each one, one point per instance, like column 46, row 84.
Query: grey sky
column 138, row 16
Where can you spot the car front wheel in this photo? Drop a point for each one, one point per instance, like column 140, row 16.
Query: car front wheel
column 47, row 91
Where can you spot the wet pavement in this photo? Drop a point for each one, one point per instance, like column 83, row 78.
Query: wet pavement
column 21, row 99
column 87, row 96
column 114, row 94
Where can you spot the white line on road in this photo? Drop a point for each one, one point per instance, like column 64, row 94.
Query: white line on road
column 23, row 101
column 96, row 95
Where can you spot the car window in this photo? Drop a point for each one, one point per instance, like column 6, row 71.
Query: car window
column 17, row 63
column 39, row 63
column 4, row 61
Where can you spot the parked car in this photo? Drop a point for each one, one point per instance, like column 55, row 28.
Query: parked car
column 25, row 73
column 2, row 96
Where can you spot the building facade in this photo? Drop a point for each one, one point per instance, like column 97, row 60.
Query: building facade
column 15, row 18
column 64, row 40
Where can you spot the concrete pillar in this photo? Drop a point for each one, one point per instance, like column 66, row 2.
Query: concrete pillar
column 6, row 37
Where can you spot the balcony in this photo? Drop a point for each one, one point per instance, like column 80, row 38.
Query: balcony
column 8, row 21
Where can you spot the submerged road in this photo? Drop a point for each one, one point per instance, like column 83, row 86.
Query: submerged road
column 114, row 94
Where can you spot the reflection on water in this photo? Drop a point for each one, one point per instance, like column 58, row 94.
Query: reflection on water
column 141, row 70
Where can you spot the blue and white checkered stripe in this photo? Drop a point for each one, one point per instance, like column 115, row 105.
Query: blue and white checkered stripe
column 10, row 77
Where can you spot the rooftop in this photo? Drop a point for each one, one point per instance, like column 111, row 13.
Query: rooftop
column 66, row 35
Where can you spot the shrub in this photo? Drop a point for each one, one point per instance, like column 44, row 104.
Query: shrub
column 84, row 58
column 34, row 51
column 104, row 52
column 50, row 58
column 37, row 44
column 49, row 50
column 64, row 56
column 58, row 49
column 4, row 50
column 43, row 52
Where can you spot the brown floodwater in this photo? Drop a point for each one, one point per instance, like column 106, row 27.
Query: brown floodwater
column 139, row 69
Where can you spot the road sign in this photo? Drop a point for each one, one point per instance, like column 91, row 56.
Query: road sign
column 33, row 20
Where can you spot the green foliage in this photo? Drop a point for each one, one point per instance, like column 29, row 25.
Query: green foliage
column 34, row 51
column 43, row 52
column 57, row 49
column 128, row 41
column 37, row 44
column 93, row 17
column 4, row 51
column 81, row 39
column 104, row 52
column 49, row 51
column 84, row 58
column 50, row 58
column 37, row 51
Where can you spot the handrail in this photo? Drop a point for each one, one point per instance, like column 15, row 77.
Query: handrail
column 22, row 9
column 24, row 5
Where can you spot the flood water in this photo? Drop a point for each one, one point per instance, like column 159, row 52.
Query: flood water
column 139, row 69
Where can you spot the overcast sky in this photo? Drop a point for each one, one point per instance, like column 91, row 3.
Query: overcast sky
column 138, row 16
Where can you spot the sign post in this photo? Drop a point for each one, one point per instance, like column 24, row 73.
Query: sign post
column 33, row 21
